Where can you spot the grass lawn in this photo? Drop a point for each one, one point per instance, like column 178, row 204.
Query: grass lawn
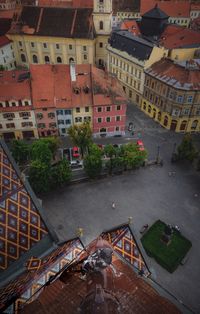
column 169, row 256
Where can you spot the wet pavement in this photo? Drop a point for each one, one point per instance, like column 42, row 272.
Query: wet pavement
column 146, row 194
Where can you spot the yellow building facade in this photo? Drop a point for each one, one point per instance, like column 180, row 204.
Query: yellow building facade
column 82, row 114
column 173, row 104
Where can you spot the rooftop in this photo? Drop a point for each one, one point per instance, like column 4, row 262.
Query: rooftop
column 99, row 282
column 181, row 75
column 131, row 26
column 126, row 6
column 4, row 41
column 57, row 22
column 67, row 3
column 171, row 7
column 155, row 13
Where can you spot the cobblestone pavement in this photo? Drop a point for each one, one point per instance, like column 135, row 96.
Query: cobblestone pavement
column 146, row 194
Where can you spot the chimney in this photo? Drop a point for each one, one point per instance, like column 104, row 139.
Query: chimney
column 73, row 71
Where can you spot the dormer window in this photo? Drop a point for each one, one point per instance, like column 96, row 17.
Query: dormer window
column 76, row 90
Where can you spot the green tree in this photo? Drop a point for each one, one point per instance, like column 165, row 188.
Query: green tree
column 40, row 176
column 53, row 144
column 93, row 161
column 133, row 157
column 40, row 151
column 111, row 152
column 81, row 136
column 187, row 150
column 20, row 151
column 61, row 173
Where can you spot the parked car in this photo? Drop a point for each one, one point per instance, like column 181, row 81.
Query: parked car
column 75, row 152
column 140, row 145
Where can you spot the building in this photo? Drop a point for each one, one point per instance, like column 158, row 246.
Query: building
column 172, row 94
column 7, row 4
column 72, row 94
column 125, row 9
column 178, row 11
column 194, row 11
column 7, row 57
column 138, row 44
column 17, row 118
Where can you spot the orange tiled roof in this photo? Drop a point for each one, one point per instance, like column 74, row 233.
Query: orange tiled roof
column 195, row 6
column 172, row 8
column 4, row 41
column 6, row 14
column 67, row 3
column 175, row 36
column 131, row 26
column 184, row 75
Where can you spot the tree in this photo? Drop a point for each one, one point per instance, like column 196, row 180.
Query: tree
column 20, row 151
column 40, row 176
column 61, row 173
column 110, row 151
column 40, row 151
column 93, row 161
column 186, row 150
column 53, row 144
column 81, row 136
column 133, row 157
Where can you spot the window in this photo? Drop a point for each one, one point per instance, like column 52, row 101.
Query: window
column 85, row 57
column 99, row 120
column 183, row 125
column 70, row 47
column 175, row 112
column 20, row 43
column 130, row 94
column 108, row 119
column 23, row 58
column 39, row 115
column 61, row 122
column 118, row 107
column 108, row 108
column 35, row 59
column 45, row 45
column 166, row 121
column 24, row 114
column 13, row 104
column 10, row 125
column 118, row 118
column 1, row 127
column 51, row 115
column 186, row 111
column 59, row 60
column 57, row 46
column 46, row 59
column 117, row 128
column 87, row 109
column 198, row 111
column 68, row 121
column 190, row 99
column 101, row 25
column 52, row 124
column 41, row 125
column 149, row 109
column 100, row 45
column 87, row 119
column 27, row 124
column 26, row 103
column 67, row 111
column 32, row 45
column 8, row 115
column 78, row 119
column 194, row 124
column 60, row 112
column 78, row 110
column 84, row 48
column 180, row 99
column 1, row 105
column 99, row 109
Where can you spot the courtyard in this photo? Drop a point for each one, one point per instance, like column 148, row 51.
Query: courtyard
column 146, row 195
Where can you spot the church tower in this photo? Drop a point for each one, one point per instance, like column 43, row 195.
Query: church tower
column 102, row 18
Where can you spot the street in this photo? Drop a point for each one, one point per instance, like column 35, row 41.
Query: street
column 146, row 194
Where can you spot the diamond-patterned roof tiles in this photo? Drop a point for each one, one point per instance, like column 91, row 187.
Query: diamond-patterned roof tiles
column 21, row 225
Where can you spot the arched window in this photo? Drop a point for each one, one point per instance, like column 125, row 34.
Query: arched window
column 159, row 116
column 194, row 124
column 71, row 60
column 101, row 63
column 35, row 59
column 46, row 59
column 101, row 25
column 166, row 121
column 23, row 57
column 183, row 125
column 144, row 106
column 149, row 109
column 59, row 60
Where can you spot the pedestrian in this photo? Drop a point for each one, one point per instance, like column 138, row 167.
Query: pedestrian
column 113, row 205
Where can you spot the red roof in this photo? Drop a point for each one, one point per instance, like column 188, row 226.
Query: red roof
column 131, row 26
column 59, row 91
column 66, row 3
column 184, row 75
column 175, row 36
column 4, row 41
column 171, row 7
column 11, row 89
column 195, row 6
